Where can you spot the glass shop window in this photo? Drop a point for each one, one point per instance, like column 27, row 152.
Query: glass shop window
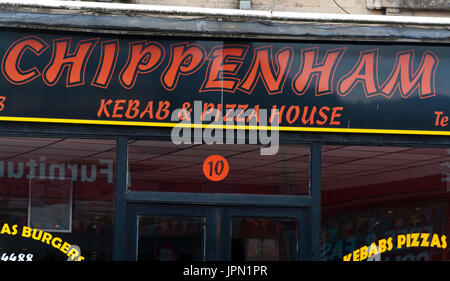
column 385, row 203
column 165, row 167
column 170, row 238
column 56, row 199
column 263, row 239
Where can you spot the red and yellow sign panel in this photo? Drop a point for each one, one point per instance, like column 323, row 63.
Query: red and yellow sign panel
column 305, row 86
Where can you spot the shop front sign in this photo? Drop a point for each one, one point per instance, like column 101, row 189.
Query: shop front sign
column 343, row 87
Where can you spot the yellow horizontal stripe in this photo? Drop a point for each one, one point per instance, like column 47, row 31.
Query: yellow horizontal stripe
column 235, row 127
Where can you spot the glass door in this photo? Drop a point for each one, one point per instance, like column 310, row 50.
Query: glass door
column 175, row 232
column 158, row 232
column 263, row 234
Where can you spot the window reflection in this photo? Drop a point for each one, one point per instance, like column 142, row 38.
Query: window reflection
column 170, row 238
column 263, row 239
column 372, row 193
column 164, row 166
column 61, row 186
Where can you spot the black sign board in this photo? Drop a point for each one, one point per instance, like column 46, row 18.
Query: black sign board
column 142, row 80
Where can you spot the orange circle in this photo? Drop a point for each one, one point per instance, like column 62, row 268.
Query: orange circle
column 215, row 168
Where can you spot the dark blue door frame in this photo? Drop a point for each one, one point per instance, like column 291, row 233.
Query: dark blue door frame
column 311, row 204
column 217, row 240
column 134, row 210
column 228, row 213
column 268, row 206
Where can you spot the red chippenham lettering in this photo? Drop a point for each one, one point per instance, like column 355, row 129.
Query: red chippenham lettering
column 267, row 66
column 224, row 63
column 75, row 61
column 323, row 71
column 185, row 59
column 263, row 67
column 143, row 57
column 107, row 64
column 11, row 63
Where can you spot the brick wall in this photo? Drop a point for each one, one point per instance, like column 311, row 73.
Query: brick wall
column 224, row 4
column 323, row 6
column 314, row 6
